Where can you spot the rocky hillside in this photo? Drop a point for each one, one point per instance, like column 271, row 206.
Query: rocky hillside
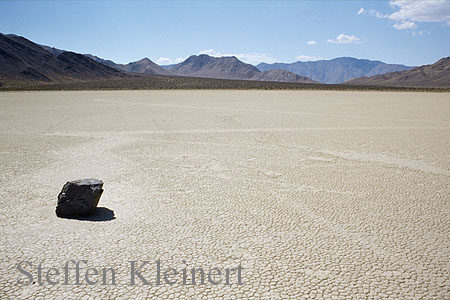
column 281, row 76
column 23, row 60
column 435, row 75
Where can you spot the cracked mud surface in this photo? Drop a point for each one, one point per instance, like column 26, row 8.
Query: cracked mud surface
column 317, row 194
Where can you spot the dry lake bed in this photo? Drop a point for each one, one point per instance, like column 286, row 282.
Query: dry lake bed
column 312, row 194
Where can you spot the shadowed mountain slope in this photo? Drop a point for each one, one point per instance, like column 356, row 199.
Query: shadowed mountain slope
column 23, row 60
column 281, row 76
column 144, row 65
column 57, row 52
column 435, row 75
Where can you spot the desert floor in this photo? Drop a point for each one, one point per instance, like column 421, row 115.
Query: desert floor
column 317, row 194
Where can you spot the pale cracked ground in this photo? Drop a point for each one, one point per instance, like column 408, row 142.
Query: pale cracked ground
column 319, row 195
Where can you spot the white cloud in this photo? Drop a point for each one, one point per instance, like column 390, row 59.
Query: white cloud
column 250, row 58
column 308, row 58
column 179, row 59
column 421, row 11
column 311, row 43
column 371, row 12
column 377, row 14
column 210, row 52
column 411, row 11
column 164, row 61
column 344, row 39
column 169, row 61
column 405, row 25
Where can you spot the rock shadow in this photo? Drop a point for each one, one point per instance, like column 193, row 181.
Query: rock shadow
column 101, row 214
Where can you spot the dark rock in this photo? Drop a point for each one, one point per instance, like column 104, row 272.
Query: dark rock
column 79, row 198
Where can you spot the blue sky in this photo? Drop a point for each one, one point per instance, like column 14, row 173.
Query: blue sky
column 399, row 31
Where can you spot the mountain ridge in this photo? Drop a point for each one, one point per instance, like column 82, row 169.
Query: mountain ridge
column 23, row 60
column 337, row 70
column 144, row 65
column 433, row 75
column 230, row 67
column 201, row 66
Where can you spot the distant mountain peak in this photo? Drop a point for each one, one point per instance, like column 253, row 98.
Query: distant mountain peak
column 229, row 67
column 144, row 65
column 198, row 60
column 443, row 61
column 336, row 70
column 144, row 60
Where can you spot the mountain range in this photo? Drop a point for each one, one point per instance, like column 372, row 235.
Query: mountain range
column 144, row 65
column 336, row 70
column 230, row 68
column 435, row 75
column 23, row 61
column 201, row 66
